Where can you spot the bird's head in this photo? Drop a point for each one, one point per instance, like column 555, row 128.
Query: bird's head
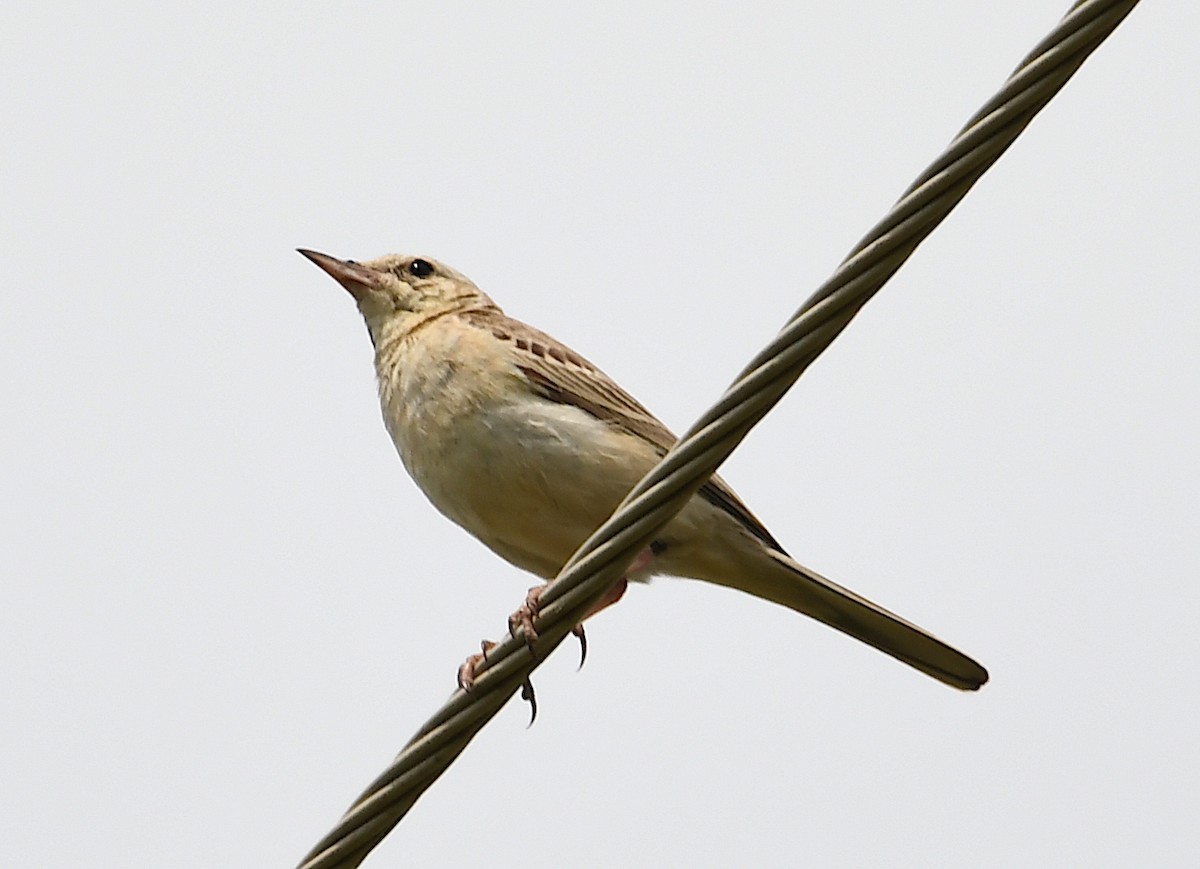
column 396, row 293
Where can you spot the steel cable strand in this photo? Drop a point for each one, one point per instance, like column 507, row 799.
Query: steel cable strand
column 763, row 382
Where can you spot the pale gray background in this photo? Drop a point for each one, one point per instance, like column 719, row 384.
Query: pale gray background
column 225, row 606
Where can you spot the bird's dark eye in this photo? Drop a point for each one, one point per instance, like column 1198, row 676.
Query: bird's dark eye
column 420, row 268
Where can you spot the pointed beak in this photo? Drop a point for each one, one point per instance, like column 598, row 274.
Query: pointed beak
column 355, row 278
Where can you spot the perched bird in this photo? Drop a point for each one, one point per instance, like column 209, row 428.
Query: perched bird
column 530, row 447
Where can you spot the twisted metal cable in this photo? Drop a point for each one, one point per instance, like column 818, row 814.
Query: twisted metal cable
column 601, row 560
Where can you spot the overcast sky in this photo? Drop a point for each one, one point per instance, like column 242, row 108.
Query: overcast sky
column 225, row 606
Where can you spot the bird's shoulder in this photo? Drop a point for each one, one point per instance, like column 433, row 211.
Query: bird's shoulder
column 558, row 373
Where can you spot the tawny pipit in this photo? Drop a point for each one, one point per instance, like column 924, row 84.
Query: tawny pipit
column 530, row 447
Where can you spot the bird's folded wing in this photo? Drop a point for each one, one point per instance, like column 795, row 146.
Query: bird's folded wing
column 558, row 373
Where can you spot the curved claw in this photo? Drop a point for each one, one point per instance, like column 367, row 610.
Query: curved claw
column 579, row 633
column 527, row 694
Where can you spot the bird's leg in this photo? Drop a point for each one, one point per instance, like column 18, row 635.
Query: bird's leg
column 523, row 618
column 614, row 594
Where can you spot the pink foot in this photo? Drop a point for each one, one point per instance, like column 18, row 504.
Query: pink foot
column 466, row 678
column 466, row 673
column 523, row 618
